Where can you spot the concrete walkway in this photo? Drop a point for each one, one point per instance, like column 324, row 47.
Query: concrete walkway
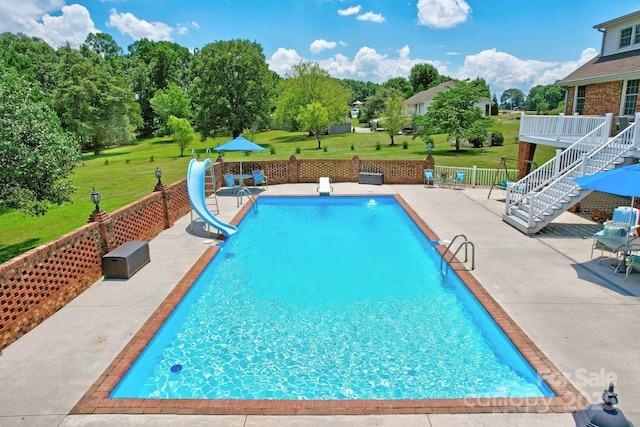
column 585, row 319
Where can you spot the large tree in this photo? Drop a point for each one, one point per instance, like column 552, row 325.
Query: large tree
column 152, row 66
column 542, row 98
column 231, row 88
column 375, row 106
column 512, row 98
column 423, row 76
column 308, row 83
column 454, row 112
column 35, row 153
column 97, row 107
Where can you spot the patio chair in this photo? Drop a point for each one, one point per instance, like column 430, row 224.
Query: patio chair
column 633, row 260
column 259, row 178
column 618, row 225
column 459, row 179
column 429, row 179
column 231, row 182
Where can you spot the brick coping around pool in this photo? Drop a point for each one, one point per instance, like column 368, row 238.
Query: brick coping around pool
column 96, row 400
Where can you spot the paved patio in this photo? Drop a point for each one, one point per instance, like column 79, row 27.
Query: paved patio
column 578, row 313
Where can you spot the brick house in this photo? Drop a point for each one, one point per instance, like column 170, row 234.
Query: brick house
column 609, row 82
column 599, row 130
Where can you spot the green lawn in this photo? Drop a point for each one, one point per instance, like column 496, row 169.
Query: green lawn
column 125, row 174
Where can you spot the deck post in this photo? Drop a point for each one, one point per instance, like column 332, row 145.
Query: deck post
column 559, row 126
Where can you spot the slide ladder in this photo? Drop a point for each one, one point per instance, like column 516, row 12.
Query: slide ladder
column 196, row 175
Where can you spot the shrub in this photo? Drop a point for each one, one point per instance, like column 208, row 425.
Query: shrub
column 497, row 138
column 352, row 147
column 405, row 145
column 476, row 142
column 378, row 146
column 325, row 148
column 297, row 150
column 151, row 159
column 106, row 162
column 272, row 150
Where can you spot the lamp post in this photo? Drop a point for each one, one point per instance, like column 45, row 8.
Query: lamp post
column 95, row 198
column 158, row 175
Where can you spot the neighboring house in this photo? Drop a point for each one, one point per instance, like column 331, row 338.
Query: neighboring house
column 419, row 103
column 609, row 82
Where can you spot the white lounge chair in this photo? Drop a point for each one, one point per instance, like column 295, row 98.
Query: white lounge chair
column 324, row 186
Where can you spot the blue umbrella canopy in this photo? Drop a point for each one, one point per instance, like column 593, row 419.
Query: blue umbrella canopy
column 624, row 181
column 239, row 143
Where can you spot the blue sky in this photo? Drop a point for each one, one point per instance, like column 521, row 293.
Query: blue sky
column 510, row 44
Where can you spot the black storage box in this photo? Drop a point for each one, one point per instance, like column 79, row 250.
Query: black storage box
column 125, row 260
column 370, row 178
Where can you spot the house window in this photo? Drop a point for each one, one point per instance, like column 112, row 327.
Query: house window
column 630, row 97
column 625, row 37
column 580, row 95
column 636, row 40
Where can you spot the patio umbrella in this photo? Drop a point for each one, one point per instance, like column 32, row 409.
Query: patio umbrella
column 239, row 144
column 624, row 181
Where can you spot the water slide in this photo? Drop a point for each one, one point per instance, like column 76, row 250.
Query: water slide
column 195, row 187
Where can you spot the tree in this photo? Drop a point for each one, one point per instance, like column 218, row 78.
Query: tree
column 360, row 90
column 512, row 98
column 232, row 87
column 423, row 76
column 37, row 156
column 182, row 132
column 394, row 117
column 308, row 83
column 376, row 104
column 172, row 101
column 494, row 105
column 152, row 66
column 314, row 118
column 542, row 98
column 97, row 107
column 453, row 112
column 401, row 85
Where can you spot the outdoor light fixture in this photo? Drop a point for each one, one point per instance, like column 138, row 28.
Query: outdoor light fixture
column 604, row 414
column 158, row 175
column 95, row 198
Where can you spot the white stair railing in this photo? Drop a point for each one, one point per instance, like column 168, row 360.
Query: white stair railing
column 557, row 191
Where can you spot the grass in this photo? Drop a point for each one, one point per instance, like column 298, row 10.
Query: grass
column 125, row 174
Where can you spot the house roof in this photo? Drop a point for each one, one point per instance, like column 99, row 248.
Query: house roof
column 426, row 95
column 608, row 68
column 616, row 20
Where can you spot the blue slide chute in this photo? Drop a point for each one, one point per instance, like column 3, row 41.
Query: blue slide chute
column 195, row 187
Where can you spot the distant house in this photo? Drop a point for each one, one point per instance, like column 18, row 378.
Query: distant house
column 609, row 82
column 418, row 104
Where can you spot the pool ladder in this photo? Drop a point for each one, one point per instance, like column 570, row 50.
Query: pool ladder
column 244, row 191
column 466, row 243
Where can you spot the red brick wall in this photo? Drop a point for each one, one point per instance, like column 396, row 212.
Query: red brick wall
column 36, row 284
column 603, row 98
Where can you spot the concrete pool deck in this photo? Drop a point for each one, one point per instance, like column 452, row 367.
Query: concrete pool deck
column 577, row 312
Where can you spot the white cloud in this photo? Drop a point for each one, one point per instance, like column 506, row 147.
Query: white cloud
column 452, row 53
column 501, row 70
column 283, row 59
column 195, row 25
column 137, row 28
column 370, row 16
column 349, row 11
column 319, row 45
column 32, row 18
column 442, row 13
column 504, row 71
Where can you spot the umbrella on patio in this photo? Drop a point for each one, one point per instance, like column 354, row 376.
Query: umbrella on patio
column 239, row 144
column 624, row 181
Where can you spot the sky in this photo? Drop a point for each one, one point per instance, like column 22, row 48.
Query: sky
column 509, row 43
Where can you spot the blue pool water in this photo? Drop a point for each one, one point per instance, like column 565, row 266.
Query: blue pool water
column 329, row 298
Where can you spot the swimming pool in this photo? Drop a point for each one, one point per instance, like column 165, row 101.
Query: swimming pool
column 372, row 319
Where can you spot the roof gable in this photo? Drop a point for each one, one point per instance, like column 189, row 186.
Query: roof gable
column 427, row 95
column 608, row 68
